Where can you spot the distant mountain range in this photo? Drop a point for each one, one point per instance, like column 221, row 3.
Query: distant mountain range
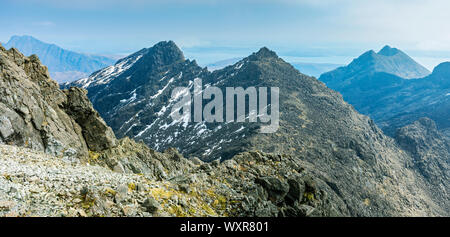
column 64, row 65
column 362, row 171
column 314, row 69
column 393, row 89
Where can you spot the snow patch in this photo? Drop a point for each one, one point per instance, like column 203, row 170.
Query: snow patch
column 108, row 74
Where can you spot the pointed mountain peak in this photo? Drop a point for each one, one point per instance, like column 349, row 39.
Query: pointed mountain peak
column 164, row 53
column 264, row 52
column 167, row 45
column 388, row 51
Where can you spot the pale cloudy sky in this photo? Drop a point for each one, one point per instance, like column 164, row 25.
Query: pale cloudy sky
column 219, row 29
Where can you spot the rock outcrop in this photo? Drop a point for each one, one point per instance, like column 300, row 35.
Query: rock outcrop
column 35, row 113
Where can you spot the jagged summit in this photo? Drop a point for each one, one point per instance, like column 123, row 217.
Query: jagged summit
column 264, row 52
column 161, row 54
column 165, row 52
column 388, row 51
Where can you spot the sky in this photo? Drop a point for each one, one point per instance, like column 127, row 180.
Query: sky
column 331, row 31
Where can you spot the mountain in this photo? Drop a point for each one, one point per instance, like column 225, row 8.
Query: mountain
column 391, row 98
column 362, row 171
column 64, row 65
column 387, row 60
column 58, row 158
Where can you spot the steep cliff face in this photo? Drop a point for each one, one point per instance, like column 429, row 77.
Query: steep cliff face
column 35, row 113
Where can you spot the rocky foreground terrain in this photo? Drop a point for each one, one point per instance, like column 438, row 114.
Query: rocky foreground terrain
column 252, row 184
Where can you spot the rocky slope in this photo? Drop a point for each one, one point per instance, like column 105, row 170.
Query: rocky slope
column 64, row 65
column 34, row 113
column 374, row 85
column 363, row 170
column 430, row 153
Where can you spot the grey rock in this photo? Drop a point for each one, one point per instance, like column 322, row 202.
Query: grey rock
column 6, row 129
column 276, row 188
column 306, row 210
column 119, row 168
column 151, row 205
column 296, row 190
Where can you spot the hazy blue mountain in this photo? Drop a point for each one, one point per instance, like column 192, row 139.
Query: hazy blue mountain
column 387, row 60
column 380, row 85
column 64, row 65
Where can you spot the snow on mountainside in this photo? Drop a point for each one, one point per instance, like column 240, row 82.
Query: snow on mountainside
column 107, row 74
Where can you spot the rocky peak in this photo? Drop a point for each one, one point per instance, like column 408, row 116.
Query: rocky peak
column 388, row 51
column 163, row 53
column 264, row 52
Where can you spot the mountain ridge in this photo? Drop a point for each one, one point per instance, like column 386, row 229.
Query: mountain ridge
column 317, row 127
